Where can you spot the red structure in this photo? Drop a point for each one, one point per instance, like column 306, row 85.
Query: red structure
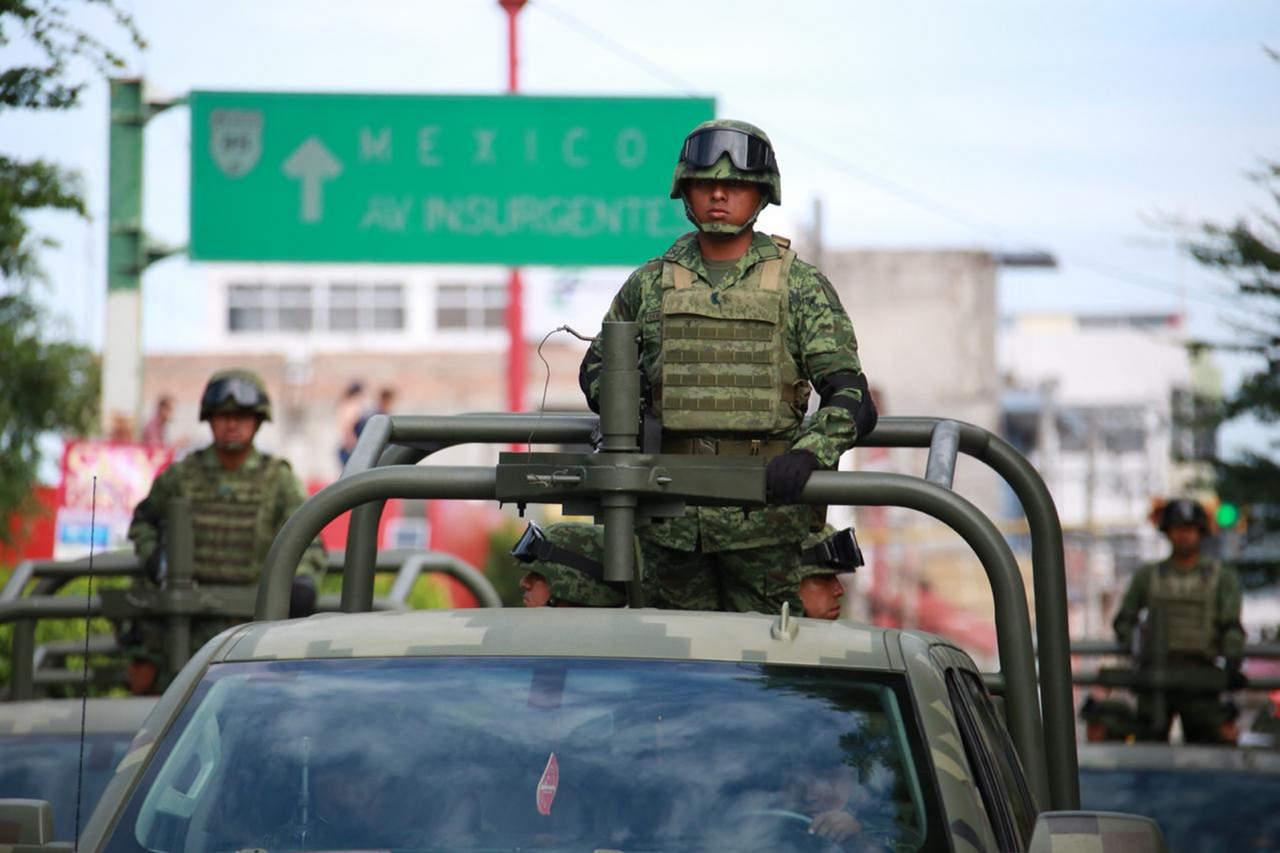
column 517, row 360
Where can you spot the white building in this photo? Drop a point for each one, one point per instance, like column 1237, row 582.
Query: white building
column 1094, row 400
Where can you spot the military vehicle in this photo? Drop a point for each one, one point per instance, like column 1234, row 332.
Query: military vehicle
column 41, row 751
column 1204, row 796
column 41, row 748
column 613, row 728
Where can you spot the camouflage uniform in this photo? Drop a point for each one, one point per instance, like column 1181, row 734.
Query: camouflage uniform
column 1202, row 604
column 235, row 516
column 722, row 556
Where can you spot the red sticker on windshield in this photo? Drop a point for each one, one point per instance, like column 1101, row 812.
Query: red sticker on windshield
column 547, row 785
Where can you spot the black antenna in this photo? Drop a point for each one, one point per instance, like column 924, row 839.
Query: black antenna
column 84, row 677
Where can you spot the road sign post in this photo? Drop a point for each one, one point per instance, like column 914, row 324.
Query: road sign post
column 129, row 251
column 435, row 178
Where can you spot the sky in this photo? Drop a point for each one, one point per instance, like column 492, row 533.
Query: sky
column 1087, row 129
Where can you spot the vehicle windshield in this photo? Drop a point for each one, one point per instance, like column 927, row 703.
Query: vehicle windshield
column 506, row 754
column 45, row 767
column 1197, row 808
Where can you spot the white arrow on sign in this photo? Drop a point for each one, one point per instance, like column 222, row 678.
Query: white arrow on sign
column 313, row 164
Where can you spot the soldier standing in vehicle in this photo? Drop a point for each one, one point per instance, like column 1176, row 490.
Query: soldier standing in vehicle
column 1198, row 600
column 565, row 568
column 239, row 497
column 734, row 330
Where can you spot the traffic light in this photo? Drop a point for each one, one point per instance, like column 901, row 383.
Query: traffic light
column 1227, row 516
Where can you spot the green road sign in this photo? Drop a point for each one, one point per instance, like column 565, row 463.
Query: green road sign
column 435, row 178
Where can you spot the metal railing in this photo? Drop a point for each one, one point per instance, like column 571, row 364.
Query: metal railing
column 35, row 666
column 620, row 482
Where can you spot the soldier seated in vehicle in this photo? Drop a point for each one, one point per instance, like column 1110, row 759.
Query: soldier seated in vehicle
column 822, row 787
column 827, row 554
column 1108, row 719
column 565, row 569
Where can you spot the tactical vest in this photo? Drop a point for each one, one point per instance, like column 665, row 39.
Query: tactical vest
column 723, row 362
column 1189, row 601
column 228, row 519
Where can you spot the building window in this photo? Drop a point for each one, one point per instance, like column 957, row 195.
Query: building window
column 344, row 307
column 246, row 311
column 358, row 307
column 471, row 307
column 388, row 306
column 293, row 307
column 269, row 307
column 302, row 307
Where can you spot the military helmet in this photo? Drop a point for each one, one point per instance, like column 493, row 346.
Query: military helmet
column 568, row 555
column 729, row 150
column 235, row 390
column 1184, row 511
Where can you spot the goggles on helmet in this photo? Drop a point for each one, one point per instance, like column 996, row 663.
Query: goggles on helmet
column 234, row 389
column 531, row 546
column 748, row 153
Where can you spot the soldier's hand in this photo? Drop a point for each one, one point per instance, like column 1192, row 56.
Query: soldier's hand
column 785, row 475
column 836, row 825
column 302, row 597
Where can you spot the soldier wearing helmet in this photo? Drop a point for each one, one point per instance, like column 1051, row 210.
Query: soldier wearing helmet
column 1195, row 601
column 564, row 568
column 239, row 497
column 735, row 329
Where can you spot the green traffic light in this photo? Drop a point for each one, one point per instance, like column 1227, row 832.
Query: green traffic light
column 1228, row 514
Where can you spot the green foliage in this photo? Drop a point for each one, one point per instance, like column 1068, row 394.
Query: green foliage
column 46, row 25
column 44, row 386
column 502, row 569
column 1248, row 252
column 51, row 630
column 428, row 592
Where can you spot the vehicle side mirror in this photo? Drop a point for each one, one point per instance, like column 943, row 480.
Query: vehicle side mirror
column 1057, row 831
column 26, row 822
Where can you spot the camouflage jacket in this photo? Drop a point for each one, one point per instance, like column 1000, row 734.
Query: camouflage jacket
column 235, row 514
column 1227, row 607
column 819, row 336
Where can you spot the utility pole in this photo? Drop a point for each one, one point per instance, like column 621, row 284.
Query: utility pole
column 517, row 363
column 129, row 252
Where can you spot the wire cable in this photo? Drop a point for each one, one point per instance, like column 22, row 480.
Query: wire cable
column 84, row 676
column 546, row 383
column 886, row 185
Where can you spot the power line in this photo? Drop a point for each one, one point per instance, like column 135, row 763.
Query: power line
column 887, row 185
column 583, row 28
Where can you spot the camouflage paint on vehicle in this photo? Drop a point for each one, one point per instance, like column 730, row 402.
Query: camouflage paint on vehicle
column 62, row 716
column 966, row 819
column 579, row 632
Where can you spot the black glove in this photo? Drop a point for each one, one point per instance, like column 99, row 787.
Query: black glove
column 302, row 597
column 785, row 475
column 1236, row 680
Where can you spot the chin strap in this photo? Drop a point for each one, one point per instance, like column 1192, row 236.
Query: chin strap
column 722, row 227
